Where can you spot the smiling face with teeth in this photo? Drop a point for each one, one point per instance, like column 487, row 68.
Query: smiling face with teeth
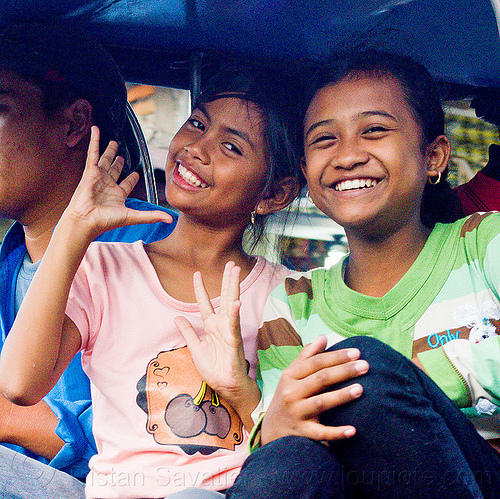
column 216, row 166
column 364, row 161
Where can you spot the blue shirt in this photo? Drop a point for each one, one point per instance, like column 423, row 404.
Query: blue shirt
column 70, row 398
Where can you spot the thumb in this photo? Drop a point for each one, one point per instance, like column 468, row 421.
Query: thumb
column 187, row 331
column 313, row 348
column 147, row 217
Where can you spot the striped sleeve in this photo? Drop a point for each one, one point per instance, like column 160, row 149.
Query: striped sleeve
column 469, row 371
column 279, row 342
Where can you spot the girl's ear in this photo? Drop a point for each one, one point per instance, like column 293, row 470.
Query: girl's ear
column 303, row 166
column 284, row 193
column 78, row 118
column 439, row 154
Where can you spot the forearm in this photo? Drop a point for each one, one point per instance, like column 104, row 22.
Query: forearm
column 32, row 428
column 36, row 351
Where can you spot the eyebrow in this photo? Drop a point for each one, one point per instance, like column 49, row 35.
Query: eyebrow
column 240, row 134
column 360, row 115
column 228, row 129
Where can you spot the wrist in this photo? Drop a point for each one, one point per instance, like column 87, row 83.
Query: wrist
column 243, row 393
column 74, row 231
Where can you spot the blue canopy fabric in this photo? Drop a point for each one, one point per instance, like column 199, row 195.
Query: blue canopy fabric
column 457, row 40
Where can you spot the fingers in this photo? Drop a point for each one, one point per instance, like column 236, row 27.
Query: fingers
column 313, row 348
column 234, row 318
column 93, row 150
column 111, row 163
column 312, row 358
column 313, row 373
column 279, row 425
column 317, row 404
column 323, row 379
column 320, row 433
column 129, row 182
column 202, row 297
column 230, row 291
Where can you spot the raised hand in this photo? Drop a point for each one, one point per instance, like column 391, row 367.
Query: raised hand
column 99, row 201
column 219, row 356
column 300, row 396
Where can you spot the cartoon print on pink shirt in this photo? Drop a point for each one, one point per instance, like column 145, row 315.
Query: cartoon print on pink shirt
column 183, row 410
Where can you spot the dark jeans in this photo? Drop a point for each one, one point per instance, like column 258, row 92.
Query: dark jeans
column 411, row 442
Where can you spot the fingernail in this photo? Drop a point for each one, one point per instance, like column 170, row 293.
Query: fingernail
column 353, row 353
column 349, row 432
column 361, row 366
column 356, row 391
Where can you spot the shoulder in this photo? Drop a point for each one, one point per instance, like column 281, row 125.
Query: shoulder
column 488, row 222
column 110, row 255
column 13, row 239
column 480, row 224
column 477, row 236
column 292, row 295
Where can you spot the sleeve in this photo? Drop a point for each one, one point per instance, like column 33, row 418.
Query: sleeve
column 142, row 232
column 83, row 306
column 278, row 344
column 75, row 429
column 468, row 371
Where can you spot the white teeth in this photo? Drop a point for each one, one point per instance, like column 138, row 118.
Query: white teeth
column 356, row 183
column 189, row 176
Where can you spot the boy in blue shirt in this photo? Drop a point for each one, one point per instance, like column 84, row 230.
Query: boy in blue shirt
column 53, row 87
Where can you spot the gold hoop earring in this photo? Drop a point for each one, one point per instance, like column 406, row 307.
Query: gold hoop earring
column 438, row 179
column 308, row 196
column 252, row 217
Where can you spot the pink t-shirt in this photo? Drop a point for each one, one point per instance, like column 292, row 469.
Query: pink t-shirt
column 158, row 427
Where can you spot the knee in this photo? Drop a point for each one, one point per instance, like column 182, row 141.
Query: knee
column 290, row 449
column 390, row 377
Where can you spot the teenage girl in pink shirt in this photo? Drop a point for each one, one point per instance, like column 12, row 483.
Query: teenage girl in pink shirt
column 159, row 427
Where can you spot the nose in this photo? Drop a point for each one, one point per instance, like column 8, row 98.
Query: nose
column 199, row 149
column 350, row 153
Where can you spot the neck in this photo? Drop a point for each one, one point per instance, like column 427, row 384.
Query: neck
column 376, row 266
column 205, row 247
column 38, row 227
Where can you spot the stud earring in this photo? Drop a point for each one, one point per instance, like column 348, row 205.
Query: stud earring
column 435, row 182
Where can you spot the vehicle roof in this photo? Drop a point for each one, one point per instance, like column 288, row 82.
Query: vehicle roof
column 152, row 40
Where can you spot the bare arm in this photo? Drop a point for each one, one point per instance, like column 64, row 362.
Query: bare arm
column 219, row 357
column 43, row 340
column 30, row 427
